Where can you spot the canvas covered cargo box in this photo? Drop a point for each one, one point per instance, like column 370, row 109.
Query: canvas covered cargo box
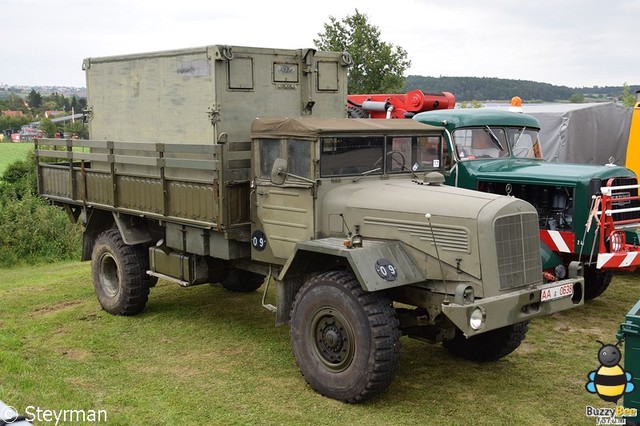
column 202, row 96
column 210, row 95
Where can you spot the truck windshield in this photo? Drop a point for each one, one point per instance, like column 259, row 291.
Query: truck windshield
column 481, row 142
column 524, row 142
column 491, row 142
column 358, row 156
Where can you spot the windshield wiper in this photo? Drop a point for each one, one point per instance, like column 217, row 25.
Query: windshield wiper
column 519, row 136
column 368, row 172
column 494, row 138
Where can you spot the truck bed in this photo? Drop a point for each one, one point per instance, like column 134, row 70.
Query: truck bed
column 179, row 183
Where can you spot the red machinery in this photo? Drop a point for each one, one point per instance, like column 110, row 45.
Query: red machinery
column 397, row 105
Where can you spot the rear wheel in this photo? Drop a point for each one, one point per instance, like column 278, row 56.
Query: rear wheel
column 119, row 275
column 596, row 282
column 488, row 346
column 346, row 341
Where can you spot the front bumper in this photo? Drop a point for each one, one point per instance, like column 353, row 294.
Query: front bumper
column 514, row 307
column 626, row 258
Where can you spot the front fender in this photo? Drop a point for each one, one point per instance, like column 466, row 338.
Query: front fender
column 378, row 265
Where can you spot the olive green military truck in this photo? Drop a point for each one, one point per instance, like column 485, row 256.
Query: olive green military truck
column 238, row 165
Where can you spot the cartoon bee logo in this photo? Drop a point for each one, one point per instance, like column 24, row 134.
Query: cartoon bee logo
column 609, row 381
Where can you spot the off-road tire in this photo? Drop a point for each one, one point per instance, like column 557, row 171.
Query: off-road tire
column 488, row 346
column 346, row 341
column 595, row 282
column 242, row 281
column 119, row 275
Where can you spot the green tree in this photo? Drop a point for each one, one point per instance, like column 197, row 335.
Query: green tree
column 76, row 129
column 470, row 104
column 628, row 98
column 16, row 103
column 13, row 123
column 577, row 98
column 378, row 67
column 48, row 127
column 34, row 99
column 56, row 101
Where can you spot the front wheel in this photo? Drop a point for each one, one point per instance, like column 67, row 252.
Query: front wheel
column 346, row 341
column 488, row 346
column 119, row 275
column 596, row 282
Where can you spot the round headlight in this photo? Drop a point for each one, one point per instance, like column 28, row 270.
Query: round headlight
column 476, row 321
column 561, row 271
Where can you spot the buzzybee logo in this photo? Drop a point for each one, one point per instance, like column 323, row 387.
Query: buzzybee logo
column 609, row 381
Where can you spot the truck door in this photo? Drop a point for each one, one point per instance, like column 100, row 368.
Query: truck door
column 282, row 199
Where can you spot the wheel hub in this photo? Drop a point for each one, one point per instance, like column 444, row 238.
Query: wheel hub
column 334, row 342
column 109, row 275
column 332, row 339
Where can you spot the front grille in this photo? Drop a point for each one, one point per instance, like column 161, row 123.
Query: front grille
column 518, row 250
column 624, row 193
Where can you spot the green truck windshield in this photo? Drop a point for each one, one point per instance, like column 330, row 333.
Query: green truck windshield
column 496, row 142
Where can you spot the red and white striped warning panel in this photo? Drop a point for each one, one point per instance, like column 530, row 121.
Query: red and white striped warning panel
column 558, row 240
column 618, row 260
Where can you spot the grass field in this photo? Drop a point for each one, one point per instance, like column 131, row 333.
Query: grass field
column 10, row 152
column 204, row 356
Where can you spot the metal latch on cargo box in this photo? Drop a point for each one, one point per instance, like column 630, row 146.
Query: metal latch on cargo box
column 214, row 114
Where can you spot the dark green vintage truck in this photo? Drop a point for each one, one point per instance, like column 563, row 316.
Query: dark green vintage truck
column 586, row 212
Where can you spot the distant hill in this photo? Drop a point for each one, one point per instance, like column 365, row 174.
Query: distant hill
column 464, row 89
column 485, row 88
column 23, row 90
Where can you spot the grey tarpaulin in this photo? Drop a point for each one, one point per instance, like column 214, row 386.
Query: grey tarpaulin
column 582, row 133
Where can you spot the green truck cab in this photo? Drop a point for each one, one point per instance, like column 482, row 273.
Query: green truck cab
column 587, row 212
column 237, row 165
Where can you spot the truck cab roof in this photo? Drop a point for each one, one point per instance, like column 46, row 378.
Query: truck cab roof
column 456, row 118
column 312, row 128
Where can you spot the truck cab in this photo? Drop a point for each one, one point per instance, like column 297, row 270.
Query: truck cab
column 586, row 212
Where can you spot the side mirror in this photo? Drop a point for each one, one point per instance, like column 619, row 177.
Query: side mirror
column 279, row 171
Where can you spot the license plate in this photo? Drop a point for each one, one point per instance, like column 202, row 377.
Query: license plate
column 557, row 292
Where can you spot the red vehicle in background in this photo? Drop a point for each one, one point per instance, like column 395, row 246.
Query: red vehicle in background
column 403, row 105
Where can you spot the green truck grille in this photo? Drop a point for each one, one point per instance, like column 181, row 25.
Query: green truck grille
column 518, row 250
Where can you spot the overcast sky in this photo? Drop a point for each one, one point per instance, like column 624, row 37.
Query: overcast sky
column 564, row 42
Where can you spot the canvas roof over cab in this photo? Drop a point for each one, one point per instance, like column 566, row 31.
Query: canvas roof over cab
column 312, row 128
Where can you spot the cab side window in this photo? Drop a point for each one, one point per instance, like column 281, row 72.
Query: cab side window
column 296, row 152
column 269, row 150
column 299, row 157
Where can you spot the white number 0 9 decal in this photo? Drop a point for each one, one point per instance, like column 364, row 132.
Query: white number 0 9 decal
column 386, row 270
